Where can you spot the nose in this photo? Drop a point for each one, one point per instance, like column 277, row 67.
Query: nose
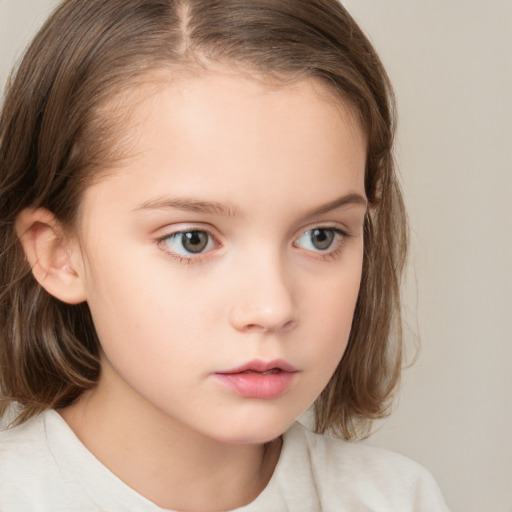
column 264, row 299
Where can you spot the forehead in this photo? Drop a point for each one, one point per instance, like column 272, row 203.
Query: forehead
column 221, row 86
column 222, row 127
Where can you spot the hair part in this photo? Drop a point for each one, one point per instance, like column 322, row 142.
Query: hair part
column 60, row 130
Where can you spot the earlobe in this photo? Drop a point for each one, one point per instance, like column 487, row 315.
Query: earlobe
column 51, row 255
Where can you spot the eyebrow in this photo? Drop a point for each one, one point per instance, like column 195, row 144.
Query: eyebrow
column 229, row 209
column 191, row 205
column 352, row 199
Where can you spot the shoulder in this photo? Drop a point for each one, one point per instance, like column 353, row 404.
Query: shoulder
column 22, row 459
column 365, row 476
column 28, row 463
column 21, row 444
column 360, row 458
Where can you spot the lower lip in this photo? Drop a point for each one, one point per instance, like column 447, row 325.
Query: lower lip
column 257, row 385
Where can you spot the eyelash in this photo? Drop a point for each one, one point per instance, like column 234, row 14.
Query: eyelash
column 162, row 242
column 340, row 239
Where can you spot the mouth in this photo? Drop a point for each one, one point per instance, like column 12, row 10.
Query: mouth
column 258, row 379
column 262, row 367
column 267, row 372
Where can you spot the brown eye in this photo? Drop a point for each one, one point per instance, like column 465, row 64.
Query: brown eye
column 185, row 243
column 194, row 241
column 319, row 239
column 322, row 239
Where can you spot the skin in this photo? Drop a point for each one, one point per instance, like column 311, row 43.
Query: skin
column 168, row 320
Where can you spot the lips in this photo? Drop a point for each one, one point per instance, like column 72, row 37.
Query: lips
column 258, row 379
column 262, row 367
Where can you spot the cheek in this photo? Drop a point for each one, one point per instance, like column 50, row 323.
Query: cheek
column 145, row 312
column 149, row 315
column 331, row 313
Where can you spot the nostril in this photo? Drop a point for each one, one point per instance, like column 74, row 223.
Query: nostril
column 288, row 326
column 255, row 327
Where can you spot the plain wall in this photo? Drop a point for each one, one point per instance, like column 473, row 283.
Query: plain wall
column 451, row 64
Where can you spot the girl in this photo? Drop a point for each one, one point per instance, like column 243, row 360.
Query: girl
column 202, row 236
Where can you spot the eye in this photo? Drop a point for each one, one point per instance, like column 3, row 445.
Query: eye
column 185, row 243
column 319, row 239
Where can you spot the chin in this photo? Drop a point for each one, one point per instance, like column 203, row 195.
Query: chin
column 255, row 430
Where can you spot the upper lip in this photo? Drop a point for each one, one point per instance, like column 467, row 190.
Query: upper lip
column 261, row 366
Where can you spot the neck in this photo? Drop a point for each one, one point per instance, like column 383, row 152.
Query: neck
column 165, row 461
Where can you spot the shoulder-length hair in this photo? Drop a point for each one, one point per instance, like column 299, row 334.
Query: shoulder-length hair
column 55, row 137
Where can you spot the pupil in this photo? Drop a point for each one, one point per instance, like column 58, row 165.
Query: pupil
column 195, row 241
column 322, row 239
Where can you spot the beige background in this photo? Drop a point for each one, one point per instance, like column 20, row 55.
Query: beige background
column 451, row 63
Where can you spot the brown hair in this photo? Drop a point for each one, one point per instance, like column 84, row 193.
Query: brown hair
column 50, row 132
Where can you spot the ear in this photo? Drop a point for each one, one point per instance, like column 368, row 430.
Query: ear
column 56, row 261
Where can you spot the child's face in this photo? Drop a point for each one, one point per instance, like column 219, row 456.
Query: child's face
column 219, row 242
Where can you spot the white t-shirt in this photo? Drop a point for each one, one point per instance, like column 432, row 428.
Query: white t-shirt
column 45, row 468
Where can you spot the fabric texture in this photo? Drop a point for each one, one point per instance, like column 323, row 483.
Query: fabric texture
column 45, row 468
